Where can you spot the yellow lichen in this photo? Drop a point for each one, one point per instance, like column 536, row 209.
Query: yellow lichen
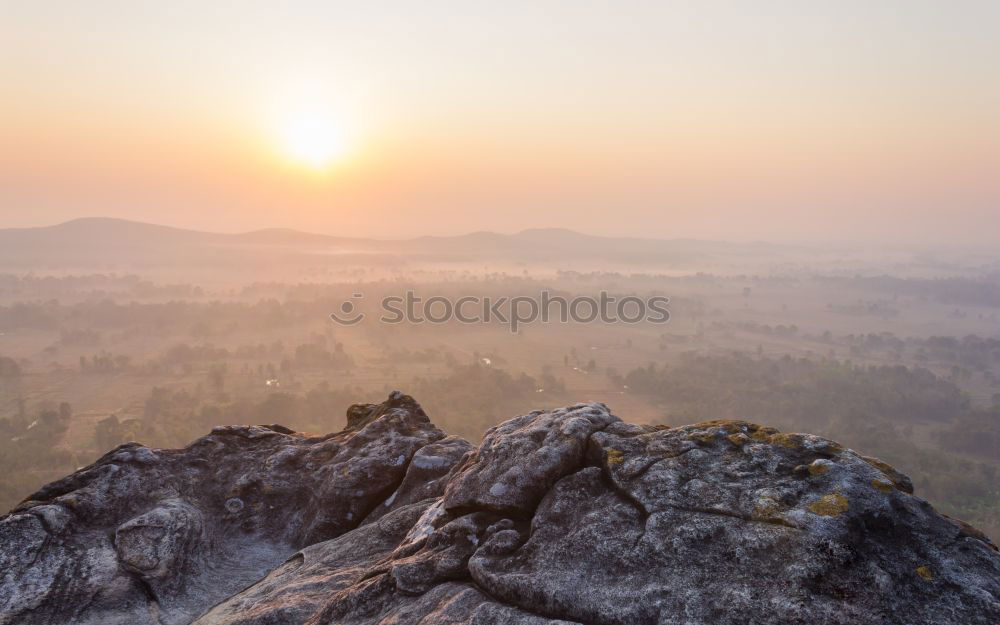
column 704, row 438
column 925, row 573
column 791, row 441
column 899, row 480
column 738, row 439
column 818, row 468
column 615, row 456
column 763, row 434
column 883, row 485
column 833, row 504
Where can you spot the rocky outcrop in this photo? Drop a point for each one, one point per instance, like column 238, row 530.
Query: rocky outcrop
column 158, row 536
column 565, row 516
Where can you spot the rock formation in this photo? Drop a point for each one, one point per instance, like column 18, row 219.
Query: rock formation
column 558, row 517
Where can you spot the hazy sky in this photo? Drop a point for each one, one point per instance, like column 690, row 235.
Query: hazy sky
column 773, row 120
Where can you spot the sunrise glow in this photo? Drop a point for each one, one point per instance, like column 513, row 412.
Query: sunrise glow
column 313, row 140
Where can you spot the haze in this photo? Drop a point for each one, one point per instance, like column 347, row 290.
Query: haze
column 785, row 121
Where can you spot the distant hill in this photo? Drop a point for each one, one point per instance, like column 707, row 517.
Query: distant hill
column 112, row 242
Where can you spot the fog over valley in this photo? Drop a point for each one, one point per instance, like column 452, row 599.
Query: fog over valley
column 112, row 331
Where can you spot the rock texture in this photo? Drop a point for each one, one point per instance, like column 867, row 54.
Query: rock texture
column 559, row 517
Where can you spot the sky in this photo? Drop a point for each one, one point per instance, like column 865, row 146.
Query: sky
column 784, row 121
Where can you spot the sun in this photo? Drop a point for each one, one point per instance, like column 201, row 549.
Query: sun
column 313, row 123
column 314, row 140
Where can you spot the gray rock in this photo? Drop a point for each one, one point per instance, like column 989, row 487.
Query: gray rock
column 152, row 535
column 521, row 459
column 560, row 517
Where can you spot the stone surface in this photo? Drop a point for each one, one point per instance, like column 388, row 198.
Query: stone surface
column 559, row 517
